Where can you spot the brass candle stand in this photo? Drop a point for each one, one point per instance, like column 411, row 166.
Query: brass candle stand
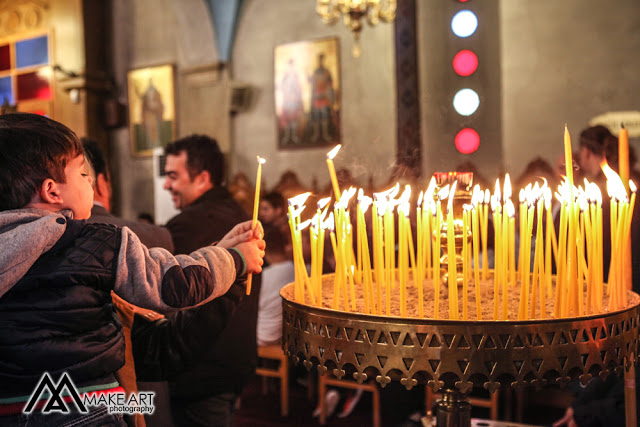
column 454, row 356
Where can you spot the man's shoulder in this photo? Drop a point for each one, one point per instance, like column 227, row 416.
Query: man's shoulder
column 150, row 235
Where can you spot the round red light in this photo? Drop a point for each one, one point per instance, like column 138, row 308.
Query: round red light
column 465, row 63
column 467, row 141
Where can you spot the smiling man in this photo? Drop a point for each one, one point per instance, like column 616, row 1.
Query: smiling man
column 205, row 394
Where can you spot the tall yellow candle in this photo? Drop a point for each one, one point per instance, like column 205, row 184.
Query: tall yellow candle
column 465, row 263
column 623, row 156
column 256, row 203
column 485, row 235
column 568, row 157
column 476, row 259
column 332, row 171
column 436, row 261
column 451, row 257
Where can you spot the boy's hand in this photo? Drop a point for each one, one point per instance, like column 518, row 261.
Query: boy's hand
column 253, row 252
column 241, row 233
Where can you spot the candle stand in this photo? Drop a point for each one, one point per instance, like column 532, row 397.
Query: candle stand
column 454, row 356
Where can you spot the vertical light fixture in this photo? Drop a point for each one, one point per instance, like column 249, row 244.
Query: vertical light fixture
column 353, row 11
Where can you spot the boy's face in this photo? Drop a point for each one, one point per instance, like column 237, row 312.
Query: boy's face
column 267, row 213
column 76, row 192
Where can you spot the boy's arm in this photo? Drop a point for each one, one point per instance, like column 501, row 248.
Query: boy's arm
column 159, row 281
column 167, row 346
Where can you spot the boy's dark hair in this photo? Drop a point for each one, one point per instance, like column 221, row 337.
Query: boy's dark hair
column 94, row 154
column 275, row 199
column 203, row 154
column 32, row 148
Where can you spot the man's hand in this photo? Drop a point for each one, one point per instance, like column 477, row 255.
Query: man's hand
column 241, row 233
column 253, row 252
column 567, row 419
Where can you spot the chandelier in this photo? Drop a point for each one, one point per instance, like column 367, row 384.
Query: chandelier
column 353, row 11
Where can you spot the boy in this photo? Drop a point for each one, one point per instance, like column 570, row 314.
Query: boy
column 57, row 272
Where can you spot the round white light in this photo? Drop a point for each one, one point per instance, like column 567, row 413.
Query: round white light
column 466, row 102
column 464, row 23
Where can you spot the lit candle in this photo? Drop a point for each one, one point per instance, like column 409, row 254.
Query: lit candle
column 476, row 249
column 256, row 203
column 547, row 239
column 451, row 256
column 537, row 256
column 332, row 171
column 485, row 236
column 509, row 217
column 436, row 258
column 623, row 156
column 568, row 156
column 465, row 261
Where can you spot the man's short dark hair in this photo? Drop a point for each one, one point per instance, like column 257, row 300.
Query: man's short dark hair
column 94, row 154
column 275, row 199
column 203, row 154
column 595, row 139
column 33, row 148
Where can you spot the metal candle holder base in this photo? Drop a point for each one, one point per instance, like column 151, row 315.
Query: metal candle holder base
column 455, row 356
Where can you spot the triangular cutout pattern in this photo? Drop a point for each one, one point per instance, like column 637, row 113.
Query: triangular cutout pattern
column 563, row 338
column 477, row 340
column 602, row 355
column 490, row 343
column 448, row 339
column 395, row 336
column 603, row 333
column 594, row 333
column 504, row 340
column 585, row 336
column 359, row 336
column 382, row 339
column 382, row 360
column 359, row 358
column 314, row 328
column 517, row 342
column 323, row 331
column 306, row 348
column 348, row 333
column 583, row 359
column 435, row 341
column 338, row 355
column 518, row 365
column 612, row 330
column 339, row 333
column 563, row 361
column 574, row 334
column 490, row 364
column 463, row 342
column 371, row 333
column 434, row 364
column 421, row 338
column 321, row 351
column 407, row 363
column 536, row 363
column 463, row 364
column 329, row 331
column 408, row 342
column 537, row 341
column 550, row 337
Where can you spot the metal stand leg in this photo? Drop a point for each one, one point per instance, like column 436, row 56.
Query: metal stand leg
column 630, row 395
column 453, row 410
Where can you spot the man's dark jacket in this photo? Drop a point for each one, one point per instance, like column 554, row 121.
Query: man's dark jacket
column 231, row 360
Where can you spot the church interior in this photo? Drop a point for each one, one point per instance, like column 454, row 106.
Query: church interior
column 425, row 89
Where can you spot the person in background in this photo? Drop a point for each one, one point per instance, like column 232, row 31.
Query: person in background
column 146, row 218
column 206, row 393
column 278, row 271
column 151, row 236
column 57, row 272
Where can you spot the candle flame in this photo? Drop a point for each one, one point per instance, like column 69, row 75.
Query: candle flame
column 261, row 160
column 547, row 198
column 507, row 187
column 497, row 191
column 430, row 189
column 487, row 195
column 509, row 208
column 323, row 202
column 299, row 199
column 443, row 193
column 420, row 199
column 406, row 194
column 329, row 223
column 331, row 154
column 304, row 224
column 615, row 187
column 632, row 187
column 404, row 207
column 452, row 194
